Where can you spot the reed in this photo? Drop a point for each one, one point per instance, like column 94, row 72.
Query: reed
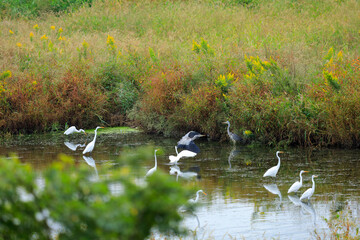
column 294, row 67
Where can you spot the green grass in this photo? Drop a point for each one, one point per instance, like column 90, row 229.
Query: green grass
column 114, row 130
column 153, row 72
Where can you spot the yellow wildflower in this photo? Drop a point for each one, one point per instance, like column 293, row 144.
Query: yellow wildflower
column 36, row 26
column 44, row 37
column 60, row 30
column 34, row 83
column 85, row 44
column 19, row 45
column 31, row 34
column 52, row 27
column 110, row 41
column 247, row 132
column 10, row 31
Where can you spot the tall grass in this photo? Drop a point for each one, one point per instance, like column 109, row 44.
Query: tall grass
column 294, row 66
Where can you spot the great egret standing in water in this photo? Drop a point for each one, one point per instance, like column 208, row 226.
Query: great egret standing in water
column 73, row 129
column 308, row 193
column 233, row 137
column 197, row 196
column 273, row 171
column 184, row 153
column 187, row 141
column 298, row 184
column 90, row 147
column 151, row 171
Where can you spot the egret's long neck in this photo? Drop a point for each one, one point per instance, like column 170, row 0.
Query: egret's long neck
column 277, row 154
column 313, row 186
column 95, row 134
column 197, row 196
column 301, row 177
column 155, row 160
column 177, row 153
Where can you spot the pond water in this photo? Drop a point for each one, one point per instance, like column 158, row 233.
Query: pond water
column 240, row 203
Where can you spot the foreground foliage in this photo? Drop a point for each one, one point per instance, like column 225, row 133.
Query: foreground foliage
column 65, row 202
column 286, row 71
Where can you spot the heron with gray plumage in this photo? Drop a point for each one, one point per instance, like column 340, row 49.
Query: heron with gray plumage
column 187, row 141
column 233, row 137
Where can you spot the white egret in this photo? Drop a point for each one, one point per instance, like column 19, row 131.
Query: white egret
column 197, row 196
column 187, row 141
column 233, row 137
column 273, row 171
column 298, row 184
column 184, row 153
column 308, row 193
column 90, row 147
column 151, row 171
column 73, row 129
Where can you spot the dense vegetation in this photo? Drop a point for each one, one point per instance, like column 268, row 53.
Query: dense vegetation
column 288, row 71
column 66, row 201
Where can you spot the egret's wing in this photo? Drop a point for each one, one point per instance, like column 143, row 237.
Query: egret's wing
column 187, row 153
column 306, row 194
column 70, row 130
column 295, row 187
column 270, row 172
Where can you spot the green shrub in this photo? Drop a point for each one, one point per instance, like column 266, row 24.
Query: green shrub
column 27, row 8
column 69, row 205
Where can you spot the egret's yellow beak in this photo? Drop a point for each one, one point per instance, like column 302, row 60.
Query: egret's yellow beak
column 204, row 193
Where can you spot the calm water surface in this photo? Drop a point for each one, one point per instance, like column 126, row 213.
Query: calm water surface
column 240, row 202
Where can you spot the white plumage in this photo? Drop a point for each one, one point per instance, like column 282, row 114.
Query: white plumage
column 296, row 185
column 308, row 193
column 152, row 170
column 184, row 153
column 90, row 147
column 273, row 171
column 197, row 196
column 72, row 130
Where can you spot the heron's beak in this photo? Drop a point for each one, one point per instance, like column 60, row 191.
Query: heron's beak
column 85, row 133
column 315, row 176
column 281, row 152
column 204, row 193
column 224, row 122
column 101, row 127
column 306, row 171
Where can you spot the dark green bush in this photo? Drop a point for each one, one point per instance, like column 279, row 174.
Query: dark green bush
column 28, row 8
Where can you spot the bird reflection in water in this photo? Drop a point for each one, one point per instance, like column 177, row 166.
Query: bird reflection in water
column 273, row 188
column 187, row 174
column 295, row 200
column 91, row 162
column 308, row 207
column 73, row 146
column 234, row 152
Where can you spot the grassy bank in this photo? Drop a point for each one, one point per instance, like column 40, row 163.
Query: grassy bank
column 288, row 71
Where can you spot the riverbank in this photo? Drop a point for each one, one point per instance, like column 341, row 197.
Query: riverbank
column 288, row 72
